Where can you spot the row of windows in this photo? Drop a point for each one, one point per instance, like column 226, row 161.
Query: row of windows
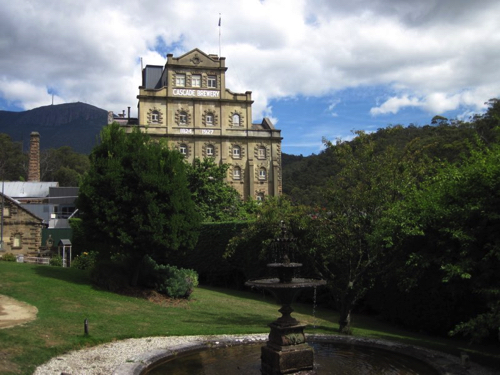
column 180, row 81
column 183, row 118
column 236, row 151
column 210, row 150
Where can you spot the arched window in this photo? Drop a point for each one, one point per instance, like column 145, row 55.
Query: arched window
column 183, row 149
column 209, row 119
column 236, row 119
column 236, row 152
column 260, row 197
column 155, row 116
column 237, row 173
column 210, row 150
column 183, row 118
column 261, row 152
column 262, row 174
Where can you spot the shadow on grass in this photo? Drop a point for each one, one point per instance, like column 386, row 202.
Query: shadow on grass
column 69, row 275
column 220, row 320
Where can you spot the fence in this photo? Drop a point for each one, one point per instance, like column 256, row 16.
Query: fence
column 37, row 260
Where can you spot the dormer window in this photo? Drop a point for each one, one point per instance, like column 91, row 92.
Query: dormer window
column 212, row 82
column 236, row 119
column 180, row 80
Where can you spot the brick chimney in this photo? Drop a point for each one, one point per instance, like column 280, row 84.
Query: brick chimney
column 34, row 158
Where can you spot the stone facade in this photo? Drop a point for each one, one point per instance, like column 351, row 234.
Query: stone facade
column 22, row 230
column 187, row 102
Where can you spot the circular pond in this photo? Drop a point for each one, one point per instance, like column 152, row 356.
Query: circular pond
column 330, row 358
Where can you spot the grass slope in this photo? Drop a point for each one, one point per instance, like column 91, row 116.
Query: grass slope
column 64, row 298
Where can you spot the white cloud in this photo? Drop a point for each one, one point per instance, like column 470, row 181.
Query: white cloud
column 435, row 55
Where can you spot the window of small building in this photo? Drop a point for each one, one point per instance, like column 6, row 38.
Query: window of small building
column 236, row 119
column 237, row 173
column 262, row 173
column 183, row 118
column 180, row 80
column 236, row 152
column 155, row 116
column 212, row 82
column 196, row 80
column 6, row 211
column 17, row 241
column 210, row 150
column 183, row 149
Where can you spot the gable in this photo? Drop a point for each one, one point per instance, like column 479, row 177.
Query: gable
column 19, row 207
column 196, row 57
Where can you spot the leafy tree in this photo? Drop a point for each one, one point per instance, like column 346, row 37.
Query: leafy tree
column 257, row 240
column 63, row 165
column 13, row 161
column 135, row 199
column 451, row 225
column 342, row 247
column 214, row 198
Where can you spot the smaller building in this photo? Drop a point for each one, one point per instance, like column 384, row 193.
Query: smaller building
column 20, row 229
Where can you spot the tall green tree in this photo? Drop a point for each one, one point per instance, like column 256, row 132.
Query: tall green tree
column 135, row 198
column 13, row 162
column 215, row 199
column 450, row 225
column 340, row 234
column 63, row 165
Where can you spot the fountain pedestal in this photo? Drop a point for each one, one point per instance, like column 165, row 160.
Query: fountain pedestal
column 286, row 351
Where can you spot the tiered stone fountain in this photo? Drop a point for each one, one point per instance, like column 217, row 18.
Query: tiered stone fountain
column 286, row 351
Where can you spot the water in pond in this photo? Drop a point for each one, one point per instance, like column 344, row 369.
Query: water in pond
column 329, row 359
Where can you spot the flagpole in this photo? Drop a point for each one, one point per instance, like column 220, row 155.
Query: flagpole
column 220, row 54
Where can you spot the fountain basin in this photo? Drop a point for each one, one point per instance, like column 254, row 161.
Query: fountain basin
column 436, row 362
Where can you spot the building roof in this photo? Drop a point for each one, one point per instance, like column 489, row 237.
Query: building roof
column 23, row 189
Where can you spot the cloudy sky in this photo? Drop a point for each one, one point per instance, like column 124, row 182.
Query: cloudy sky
column 317, row 68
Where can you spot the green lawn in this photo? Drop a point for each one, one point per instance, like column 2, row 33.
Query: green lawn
column 64, row 298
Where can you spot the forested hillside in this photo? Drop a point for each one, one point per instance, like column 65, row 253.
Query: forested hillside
column 305, row 178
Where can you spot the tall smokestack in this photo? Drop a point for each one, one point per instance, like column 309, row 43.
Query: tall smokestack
column 34, row 158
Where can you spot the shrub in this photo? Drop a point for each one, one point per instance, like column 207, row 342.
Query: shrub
column 8, row 257
column 84, row 261
column 56, row 261
column 170, row 280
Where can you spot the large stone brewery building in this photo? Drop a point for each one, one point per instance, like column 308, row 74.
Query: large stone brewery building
column 187, row 102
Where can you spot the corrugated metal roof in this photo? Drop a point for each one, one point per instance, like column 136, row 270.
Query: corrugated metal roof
column 23, row 189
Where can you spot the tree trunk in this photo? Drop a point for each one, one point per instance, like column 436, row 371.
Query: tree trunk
column 345, row 321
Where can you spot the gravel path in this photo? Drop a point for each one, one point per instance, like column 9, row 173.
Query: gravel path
column 105, row 358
